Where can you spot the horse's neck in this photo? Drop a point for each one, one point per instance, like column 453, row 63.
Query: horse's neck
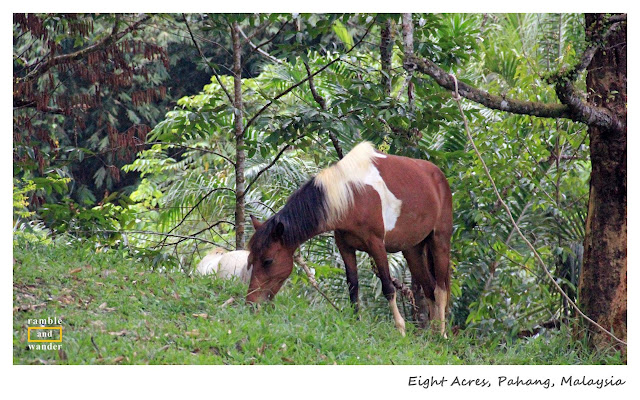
column 317, row 232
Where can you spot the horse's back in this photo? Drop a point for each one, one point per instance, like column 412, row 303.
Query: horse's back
column 418, row 183
column 404, row 175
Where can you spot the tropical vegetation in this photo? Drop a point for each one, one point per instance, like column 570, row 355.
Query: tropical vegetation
column 151, row 139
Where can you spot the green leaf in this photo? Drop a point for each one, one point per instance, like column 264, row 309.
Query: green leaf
column 341, row 31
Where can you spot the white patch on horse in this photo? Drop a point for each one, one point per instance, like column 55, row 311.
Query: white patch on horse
column 351, row 174
column 391, row 205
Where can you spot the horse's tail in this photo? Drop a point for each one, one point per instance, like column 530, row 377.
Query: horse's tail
column 447, row 283
column 429, row 261
column 440, row 237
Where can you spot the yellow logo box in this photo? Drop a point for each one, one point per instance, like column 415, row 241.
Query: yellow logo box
column 58, row 328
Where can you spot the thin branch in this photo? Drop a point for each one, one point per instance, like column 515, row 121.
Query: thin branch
column 209, row 151
column 19, row 103
column 323, row 104
column 272, row 38
column 319, row 99
column 494, row 264
column 588, row 54
column 254, row 47
column 264, row 108
column 230, row 246
column 257, row 30
column 213, row 70
column 182, row 237
column 262, row 204
column 276, row 158
column 298, row 259
column 194, row 207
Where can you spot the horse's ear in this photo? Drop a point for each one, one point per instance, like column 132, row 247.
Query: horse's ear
column 256, row 224
column 278, row 231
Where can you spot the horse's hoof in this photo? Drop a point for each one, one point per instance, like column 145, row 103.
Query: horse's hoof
column 401, row 328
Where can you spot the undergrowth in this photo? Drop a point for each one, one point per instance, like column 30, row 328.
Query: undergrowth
column 118, row 310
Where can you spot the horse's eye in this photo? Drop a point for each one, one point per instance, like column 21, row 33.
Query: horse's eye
column 267, row 263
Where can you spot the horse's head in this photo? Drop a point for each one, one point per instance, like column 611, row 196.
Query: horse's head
column 270, row 260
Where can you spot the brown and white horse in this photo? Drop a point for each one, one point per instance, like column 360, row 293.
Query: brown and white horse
column 375, row 203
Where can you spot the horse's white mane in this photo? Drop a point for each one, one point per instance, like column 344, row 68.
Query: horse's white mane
column 341, row 180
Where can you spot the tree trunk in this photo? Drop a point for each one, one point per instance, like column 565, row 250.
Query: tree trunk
column 239, row 136
column 603, row 283
column 386, row 52
column 407, row 41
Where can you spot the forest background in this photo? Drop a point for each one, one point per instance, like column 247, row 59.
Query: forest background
column 155, row 136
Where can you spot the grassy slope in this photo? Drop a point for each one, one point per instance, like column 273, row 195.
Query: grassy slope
column 117, row 311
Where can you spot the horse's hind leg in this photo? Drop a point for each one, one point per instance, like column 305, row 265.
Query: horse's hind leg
column 423, row 277
column 438, row 246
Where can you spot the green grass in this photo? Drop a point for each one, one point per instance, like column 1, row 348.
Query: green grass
column 118, row 311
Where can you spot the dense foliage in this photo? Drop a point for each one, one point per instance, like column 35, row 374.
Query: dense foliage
column 182, row 195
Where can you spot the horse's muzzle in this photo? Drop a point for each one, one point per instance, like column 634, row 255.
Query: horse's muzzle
column 259, row 296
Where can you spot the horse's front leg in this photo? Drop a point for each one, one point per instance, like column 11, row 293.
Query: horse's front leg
column 348, row 254
column 379, row 254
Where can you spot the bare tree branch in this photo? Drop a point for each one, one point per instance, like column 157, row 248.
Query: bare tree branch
column 572, row 106
column 266, row 42
column 257, row 30
column 213, row 70
column 298, row 259
column 193, row 208
column 182, row 237
column 483, row 97
column 595, row 44
column 569, row 95
column 285, row 92
column 20, row 103
column 209, row 151
column 254, row 47
column 271, row 164
column 323, row 104
column 583, row 112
